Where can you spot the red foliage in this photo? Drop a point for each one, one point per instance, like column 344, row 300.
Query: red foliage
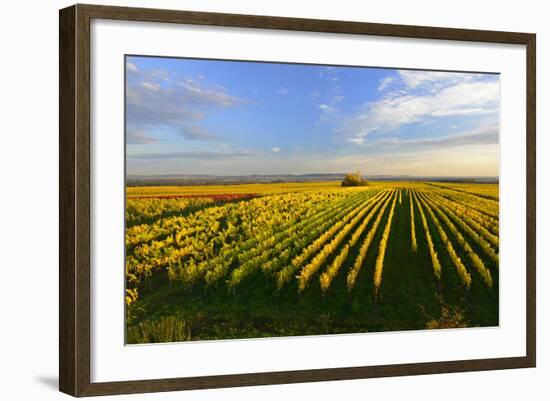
column 214, row 197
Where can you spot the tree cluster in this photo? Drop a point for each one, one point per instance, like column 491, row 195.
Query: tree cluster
column 354, row 180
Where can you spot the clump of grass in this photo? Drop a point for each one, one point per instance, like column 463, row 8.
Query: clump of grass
column 450, row 318
column 162, row 330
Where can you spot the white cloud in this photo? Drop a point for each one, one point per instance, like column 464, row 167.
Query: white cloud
column 160, row 74
column 276, row 149
column 136, row 137
column 282, row 91
column 484, row 135
column 415, row 78
column 326, row 108
column 204, row 155
column 209, row 95
column 156, row 101
column 468, row 159
column 385, row 82
column 131, row 67
column 461, row 112
column 357, row 140
column 154, row 86
column 333, row 96
column 456, row 97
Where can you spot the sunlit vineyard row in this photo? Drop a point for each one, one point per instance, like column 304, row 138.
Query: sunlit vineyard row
column 312, row 238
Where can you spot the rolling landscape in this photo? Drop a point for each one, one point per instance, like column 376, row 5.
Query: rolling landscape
column 277, row 199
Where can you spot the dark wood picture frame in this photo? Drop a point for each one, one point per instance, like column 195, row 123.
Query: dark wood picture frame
column 74, row 202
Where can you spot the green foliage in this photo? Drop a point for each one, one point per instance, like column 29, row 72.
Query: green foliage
column 163, row 330
column 311, row 262
column 451, row 317
column 341, row 230
column 433, row 254
column 461, row 269
column 476, row 260
column 362, row 254
column 382, row 250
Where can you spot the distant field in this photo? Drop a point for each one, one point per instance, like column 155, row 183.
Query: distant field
column 490, row 191
column 270, row 188
column 257, row 260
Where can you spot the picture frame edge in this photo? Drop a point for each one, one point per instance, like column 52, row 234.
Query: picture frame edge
column 74, row 199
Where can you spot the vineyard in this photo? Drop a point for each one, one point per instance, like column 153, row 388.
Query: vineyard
column 312, row 258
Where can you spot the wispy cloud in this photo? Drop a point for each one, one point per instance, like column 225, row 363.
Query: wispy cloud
column 415, row 78
column 385, row 82
column 426, row 96
column 134, row 137
column 485, row 135
column 327, row 108
column 130, row 67
column 333, row 95
column 441, row 161
column 335, row 119
column 204, row 155
column 158, row 101
column 196, row 132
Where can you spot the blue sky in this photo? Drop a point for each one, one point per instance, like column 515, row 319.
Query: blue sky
column 188, row 116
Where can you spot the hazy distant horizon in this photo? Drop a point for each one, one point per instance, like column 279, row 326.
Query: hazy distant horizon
column 305, row 175
column 230, row 118
column 313, row 177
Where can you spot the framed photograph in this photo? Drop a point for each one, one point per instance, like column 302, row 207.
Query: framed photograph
column 250, row 200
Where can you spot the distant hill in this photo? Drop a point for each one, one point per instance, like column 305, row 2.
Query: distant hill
column 205, row 179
